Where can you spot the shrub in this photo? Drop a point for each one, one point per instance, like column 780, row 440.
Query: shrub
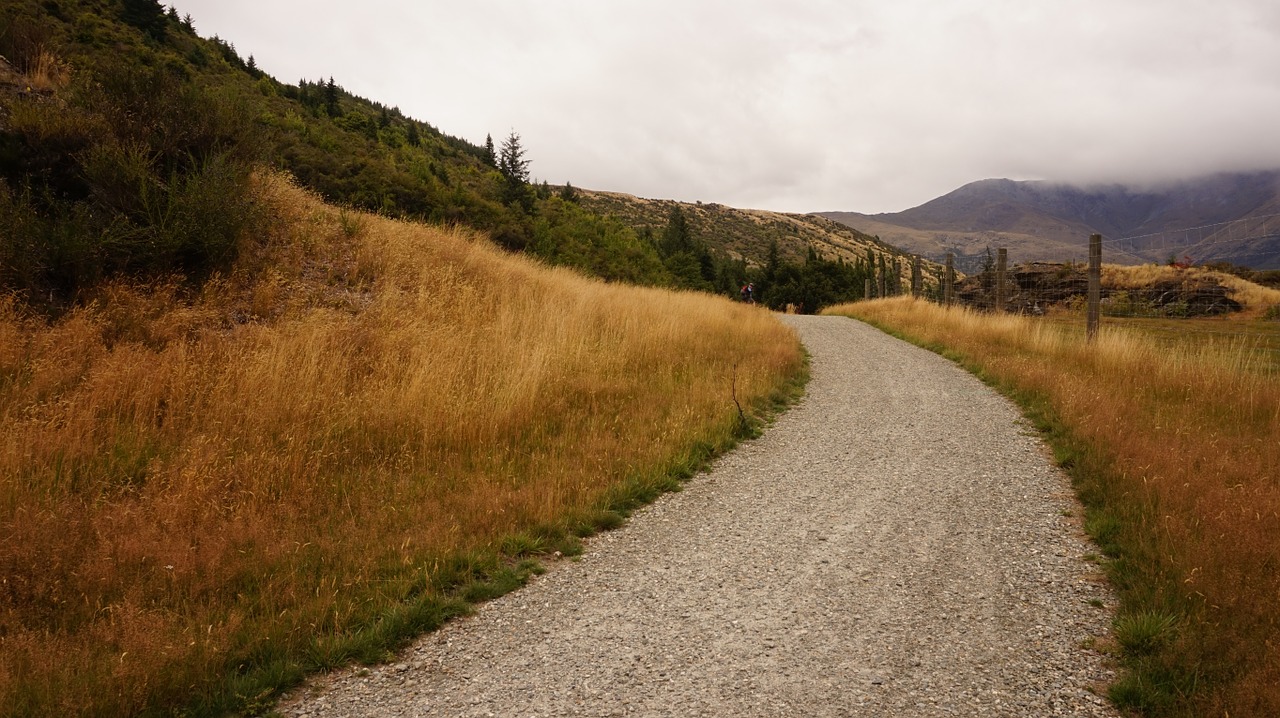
column 137, row 172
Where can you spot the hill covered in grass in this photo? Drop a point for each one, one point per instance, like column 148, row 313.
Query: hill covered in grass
column 802, row 259
column 358, row 428
column 127, row 142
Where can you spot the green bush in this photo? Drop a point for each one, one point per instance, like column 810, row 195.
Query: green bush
column 135, row 171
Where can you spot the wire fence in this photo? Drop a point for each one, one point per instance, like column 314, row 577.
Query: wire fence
column 1174, row 303
column 1176, row 289
column 1042, row 288
column 1235, row 238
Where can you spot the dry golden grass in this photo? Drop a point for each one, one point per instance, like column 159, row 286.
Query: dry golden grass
column 196, row 486
column 1255, row 298
column 48, row 73
column 1186, row 441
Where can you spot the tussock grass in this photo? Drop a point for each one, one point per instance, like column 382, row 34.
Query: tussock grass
column 322, row 453
column 1175, row 453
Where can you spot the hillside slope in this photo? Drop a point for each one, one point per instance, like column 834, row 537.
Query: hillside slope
column 361, row 426
column 742, row 233
column 1050, row 221
column 130, row 153
column 746, row 234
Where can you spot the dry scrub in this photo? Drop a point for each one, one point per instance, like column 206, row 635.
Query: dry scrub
column 195, row 489
column 1177, row 452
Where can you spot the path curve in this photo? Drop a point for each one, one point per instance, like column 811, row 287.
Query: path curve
column 897, row 544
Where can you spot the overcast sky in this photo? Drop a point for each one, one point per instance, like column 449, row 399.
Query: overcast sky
column 803, row 105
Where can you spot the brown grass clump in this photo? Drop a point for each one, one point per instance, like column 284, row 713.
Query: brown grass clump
column 47, row 72
column 1176, row 451
column 195, row 491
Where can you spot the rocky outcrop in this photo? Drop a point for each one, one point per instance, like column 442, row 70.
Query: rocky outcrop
column 1038, row 286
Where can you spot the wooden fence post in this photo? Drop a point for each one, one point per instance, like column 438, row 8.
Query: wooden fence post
column 1095, row 286
column 916, row 279
column 949, row 281
column 1002, row 294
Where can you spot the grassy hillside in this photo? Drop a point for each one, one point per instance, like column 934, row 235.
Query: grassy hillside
column 792, row 258
column 1172, row 447
column 127, row 141
column 359, row 426
column 746, row 233
column 969, row 247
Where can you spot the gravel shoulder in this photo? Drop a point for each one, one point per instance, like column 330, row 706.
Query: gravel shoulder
column 897, row 544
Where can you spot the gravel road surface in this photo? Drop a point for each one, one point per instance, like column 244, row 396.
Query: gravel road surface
column 897, row 544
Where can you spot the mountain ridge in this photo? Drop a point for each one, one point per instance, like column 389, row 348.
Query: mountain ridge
column 1045, row 220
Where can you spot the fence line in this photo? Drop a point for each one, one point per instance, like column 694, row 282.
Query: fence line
column 1081, row 294
column 1245, row 229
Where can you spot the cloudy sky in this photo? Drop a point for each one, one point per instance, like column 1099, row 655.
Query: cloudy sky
column 803, row 105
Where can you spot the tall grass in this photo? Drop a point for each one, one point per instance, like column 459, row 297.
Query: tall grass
column 202, row 496
column 1176, row 454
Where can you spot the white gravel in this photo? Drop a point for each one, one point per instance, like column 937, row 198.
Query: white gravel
column 897, row 544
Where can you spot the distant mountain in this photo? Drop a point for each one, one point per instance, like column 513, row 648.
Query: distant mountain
column 1223, row 217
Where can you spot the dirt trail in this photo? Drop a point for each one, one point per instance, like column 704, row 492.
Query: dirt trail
column 897, row 544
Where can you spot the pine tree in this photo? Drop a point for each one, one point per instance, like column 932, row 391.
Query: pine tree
column 146, row 15
column 331, row 97
column 676, row 237
column 515, row 172
column 414, row 138
column 489, row 154
column 771, row 262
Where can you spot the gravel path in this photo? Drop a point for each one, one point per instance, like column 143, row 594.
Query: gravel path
column 897, row 544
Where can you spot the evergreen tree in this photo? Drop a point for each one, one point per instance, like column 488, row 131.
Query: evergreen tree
column 148, row 16
column 771, row 262
column 515, row 172
column 568, row 193
column 413, row 137
column 676, row 237
column 490, row 156
column 331, row 97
